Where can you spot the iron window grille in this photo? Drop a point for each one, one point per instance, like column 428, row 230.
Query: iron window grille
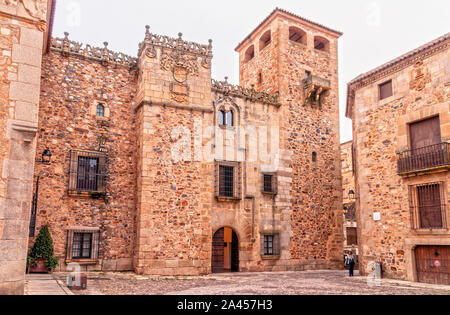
column 428, row 206
column 87, row 172
column 270, row 244
column 228, row 180
column 83, row 244
column 269, row 183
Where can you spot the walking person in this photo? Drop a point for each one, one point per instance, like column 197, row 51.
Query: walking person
column 351, row 262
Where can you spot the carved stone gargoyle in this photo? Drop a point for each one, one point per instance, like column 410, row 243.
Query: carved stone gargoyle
column 315, row 90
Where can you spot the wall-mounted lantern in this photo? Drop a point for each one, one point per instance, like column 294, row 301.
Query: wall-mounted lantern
column 46, row 157
column 352, row 195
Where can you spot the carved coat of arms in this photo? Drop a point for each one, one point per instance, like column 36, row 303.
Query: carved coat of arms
column 420, row 77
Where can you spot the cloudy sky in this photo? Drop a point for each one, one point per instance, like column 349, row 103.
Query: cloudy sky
column 374, row 31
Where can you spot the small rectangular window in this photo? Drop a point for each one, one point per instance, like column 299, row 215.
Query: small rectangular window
column 270, row 244
column 228, row 180
column 83, row 244
column 386, row 90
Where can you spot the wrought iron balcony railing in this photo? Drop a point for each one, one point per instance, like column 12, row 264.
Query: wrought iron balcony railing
column 424, row 159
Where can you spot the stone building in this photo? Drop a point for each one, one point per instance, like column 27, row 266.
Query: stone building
column 348, row 193
column 401, row 129
column 24, row 29
column 157, row 168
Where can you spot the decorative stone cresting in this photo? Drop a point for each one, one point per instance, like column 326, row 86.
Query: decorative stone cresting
column 103, row 55
column 251, row 94
column 152, row 40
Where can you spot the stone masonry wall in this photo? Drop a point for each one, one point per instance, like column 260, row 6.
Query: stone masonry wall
column 380, row 131
column 71, row 88
column 22, row 28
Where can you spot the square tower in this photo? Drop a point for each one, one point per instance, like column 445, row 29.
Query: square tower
column 298, row 59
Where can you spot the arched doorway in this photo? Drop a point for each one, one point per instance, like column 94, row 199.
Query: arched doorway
column 225, row 251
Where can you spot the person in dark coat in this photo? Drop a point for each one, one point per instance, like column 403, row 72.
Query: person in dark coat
column 351, row 262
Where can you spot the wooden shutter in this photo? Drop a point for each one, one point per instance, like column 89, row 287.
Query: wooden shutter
column 352, row 236
column 276, row 245
column 425, row 133
column 386, row 90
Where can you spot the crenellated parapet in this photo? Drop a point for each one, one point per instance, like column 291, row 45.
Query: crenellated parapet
column 248, row 93
column 103, row 55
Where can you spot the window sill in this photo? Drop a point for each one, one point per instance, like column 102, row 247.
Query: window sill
column 298, row 44
column 269, row 193
column 270, row 257
column 87, row 194
column 83, row 262
column 228, row 199
column 431, row 231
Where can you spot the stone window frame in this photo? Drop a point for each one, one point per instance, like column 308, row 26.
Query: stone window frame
column 325, row 41
column 420, row 114
column 226, row 108
column 304, row 42
column 249, row 55
column 412, row 189
column 95, row 245
column 276, row 245
column 73, row 173
column 107, row 111
column 379, row 86
column 265, row 40
column 274, row 191
column 237, row 178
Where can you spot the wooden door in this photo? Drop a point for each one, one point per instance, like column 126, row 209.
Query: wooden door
column 218, row 253
column 425, row 133
column 235, row 253
column 433, row 264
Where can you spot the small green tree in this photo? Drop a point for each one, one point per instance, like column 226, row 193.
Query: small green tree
column 43, row 249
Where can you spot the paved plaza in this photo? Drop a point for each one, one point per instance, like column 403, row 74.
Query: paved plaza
column 285, row 283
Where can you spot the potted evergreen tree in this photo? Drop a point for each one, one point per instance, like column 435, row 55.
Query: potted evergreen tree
column 41, row 259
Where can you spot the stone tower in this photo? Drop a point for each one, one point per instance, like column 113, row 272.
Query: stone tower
column 298, row 59
column 174, row 94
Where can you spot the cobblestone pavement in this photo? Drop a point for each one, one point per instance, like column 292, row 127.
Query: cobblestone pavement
column 286, row 283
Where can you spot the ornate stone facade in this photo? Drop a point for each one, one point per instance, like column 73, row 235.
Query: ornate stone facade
column 387, row 159
column 152, row 159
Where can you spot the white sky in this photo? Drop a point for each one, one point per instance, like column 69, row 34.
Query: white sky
column 374, row 31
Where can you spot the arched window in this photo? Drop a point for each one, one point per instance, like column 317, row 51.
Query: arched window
column 100, row 110
column 322, row 44
column 250, row 53
column 230, row 119
column 221, row 118
column 265, row 40
column 297, row 35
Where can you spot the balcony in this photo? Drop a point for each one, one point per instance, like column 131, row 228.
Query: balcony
column 423, row 160
column 315, row 88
